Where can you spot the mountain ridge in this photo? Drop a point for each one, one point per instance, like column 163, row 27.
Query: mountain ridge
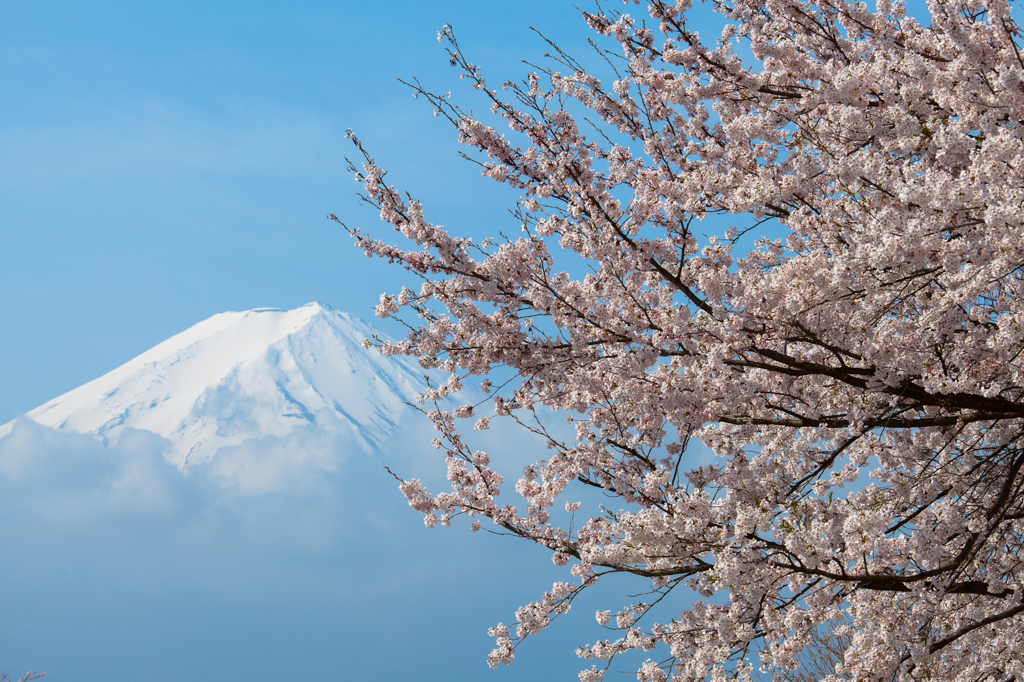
column 245, row 375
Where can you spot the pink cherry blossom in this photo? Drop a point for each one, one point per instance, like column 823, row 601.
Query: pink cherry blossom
column 810, row 260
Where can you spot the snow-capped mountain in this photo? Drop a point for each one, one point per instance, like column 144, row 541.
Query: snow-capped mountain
column 248, row 375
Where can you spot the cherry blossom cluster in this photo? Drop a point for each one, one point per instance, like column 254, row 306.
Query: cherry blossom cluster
column 807, row 256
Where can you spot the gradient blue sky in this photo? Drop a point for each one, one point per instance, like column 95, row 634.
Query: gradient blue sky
column 163, row 162
column 166, row 161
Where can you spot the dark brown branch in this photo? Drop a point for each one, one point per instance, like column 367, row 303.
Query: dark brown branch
column 1008, row 613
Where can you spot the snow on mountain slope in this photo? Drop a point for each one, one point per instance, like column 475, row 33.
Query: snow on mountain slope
column 248, row 375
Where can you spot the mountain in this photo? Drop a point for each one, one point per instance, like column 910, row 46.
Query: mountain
column 239, row 376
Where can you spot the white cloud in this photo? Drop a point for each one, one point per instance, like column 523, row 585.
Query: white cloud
column 296, row 462
column 71, row 479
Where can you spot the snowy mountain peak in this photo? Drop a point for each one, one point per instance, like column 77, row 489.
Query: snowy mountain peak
column 246, row 375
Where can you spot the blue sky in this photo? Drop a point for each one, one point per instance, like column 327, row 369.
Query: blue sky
column 164, row 162
column 168, row 161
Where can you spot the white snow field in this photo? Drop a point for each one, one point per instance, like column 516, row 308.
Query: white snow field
column 239, row 376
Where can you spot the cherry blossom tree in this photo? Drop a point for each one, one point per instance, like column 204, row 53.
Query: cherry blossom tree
column 28, row 677
column 798, row 243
